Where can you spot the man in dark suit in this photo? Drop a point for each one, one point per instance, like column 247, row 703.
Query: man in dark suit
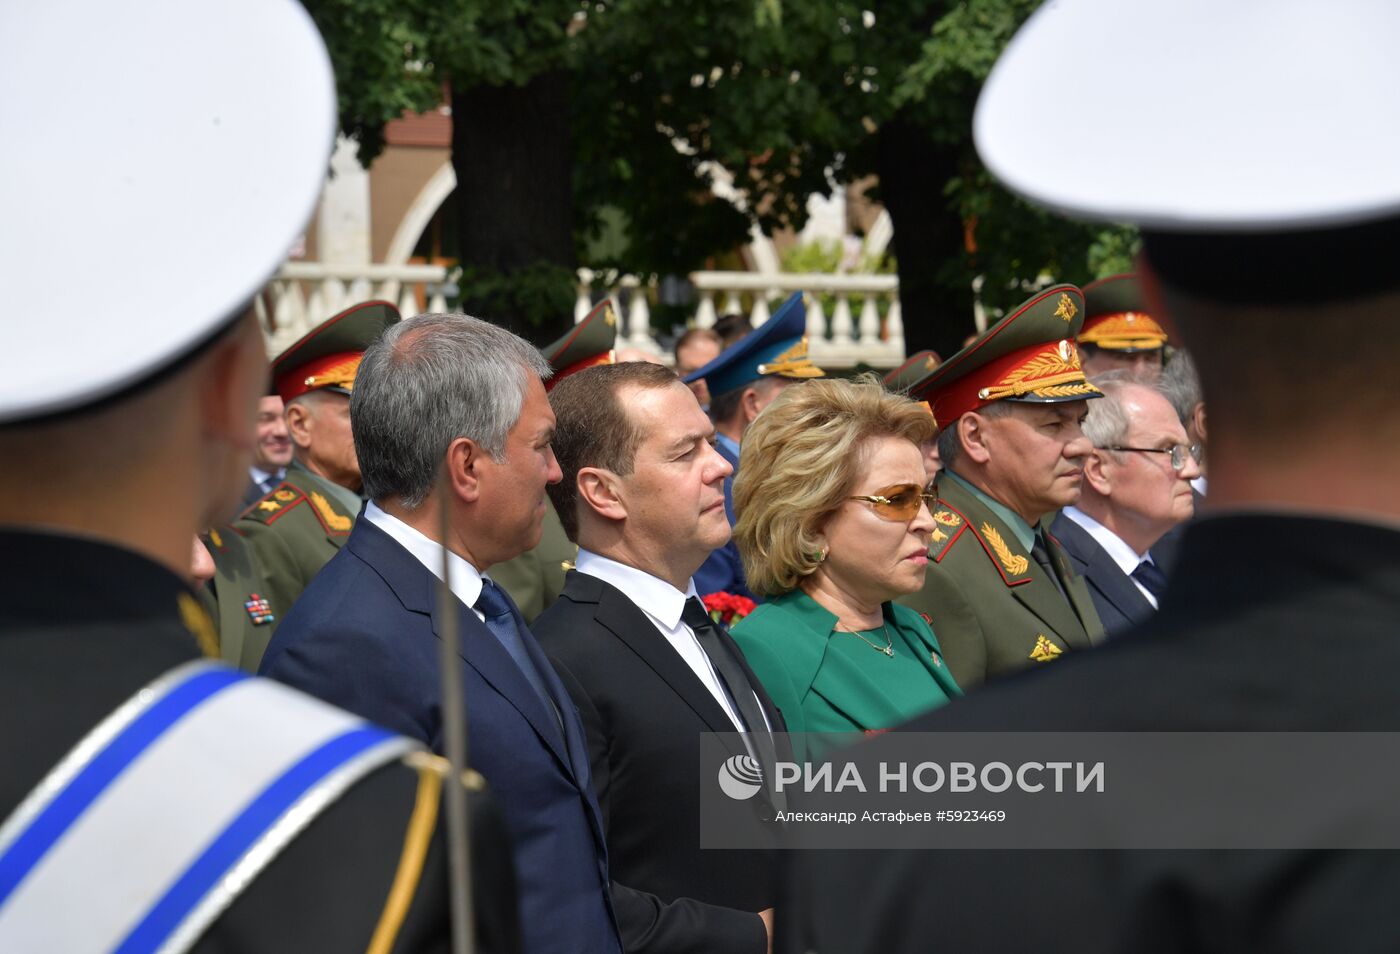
column 271, row 454
column 1282, row 612
column 642, row 497
column 455, row 396
column 1136, row 488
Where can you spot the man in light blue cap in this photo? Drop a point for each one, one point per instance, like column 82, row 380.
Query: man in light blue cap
column 742, row 381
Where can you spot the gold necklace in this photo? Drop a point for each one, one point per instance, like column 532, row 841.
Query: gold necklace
column 887, row 649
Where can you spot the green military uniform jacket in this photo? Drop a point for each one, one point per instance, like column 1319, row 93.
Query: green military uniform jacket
column 242, row 613
column 825, row 680
column 293, row 532
column 536, row 577
column 990, row 602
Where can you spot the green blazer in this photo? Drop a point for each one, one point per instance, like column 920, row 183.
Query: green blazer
column 993, row 606
column 824, row 680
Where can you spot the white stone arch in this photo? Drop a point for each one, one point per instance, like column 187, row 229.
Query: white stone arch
column 420, row 212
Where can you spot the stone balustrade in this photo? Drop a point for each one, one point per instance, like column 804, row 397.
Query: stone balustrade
column 304, row 294
column 863, row 325
column 854, row 332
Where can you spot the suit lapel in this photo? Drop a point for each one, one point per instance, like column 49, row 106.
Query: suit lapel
column 1117, row 588
column 415, row 587
column 621, row 617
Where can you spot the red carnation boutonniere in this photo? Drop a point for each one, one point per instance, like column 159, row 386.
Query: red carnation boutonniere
column 726, row 609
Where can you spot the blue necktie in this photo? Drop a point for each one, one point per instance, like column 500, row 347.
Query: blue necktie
column 1152, row 578
column 500, row 620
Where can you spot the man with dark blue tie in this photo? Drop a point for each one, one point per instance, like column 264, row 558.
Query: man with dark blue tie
column 449, row 414
column 1136, row 488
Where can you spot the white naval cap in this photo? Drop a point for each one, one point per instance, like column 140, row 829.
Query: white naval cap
column 160, row 158
column 1200, row 115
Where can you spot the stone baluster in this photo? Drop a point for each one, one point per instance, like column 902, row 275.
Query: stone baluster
column 894, row 324
column 869, row 321
column 732, row 304
column 816, row 318
column 705, row 312
column 760, row 313
column 360, row 290
column 841, row 325
column 408, row 301
column 438, row 301
column 639, row 320
column 583, row 304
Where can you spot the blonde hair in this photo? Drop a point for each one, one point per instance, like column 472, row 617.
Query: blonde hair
column 798, row 462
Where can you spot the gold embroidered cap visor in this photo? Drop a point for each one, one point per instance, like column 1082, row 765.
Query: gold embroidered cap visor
column 328, row 357
column 1116, row 317
column 776, row 347
column 1029, row 356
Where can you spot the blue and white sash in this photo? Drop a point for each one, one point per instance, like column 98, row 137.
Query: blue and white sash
column 153, row 824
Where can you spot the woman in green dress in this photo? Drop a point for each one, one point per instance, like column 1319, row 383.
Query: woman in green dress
column 833, row 525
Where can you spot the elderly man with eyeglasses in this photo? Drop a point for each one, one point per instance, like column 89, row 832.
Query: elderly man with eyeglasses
column 1137, row 486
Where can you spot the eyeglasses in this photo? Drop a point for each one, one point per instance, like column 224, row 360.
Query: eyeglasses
column 1177, row 452
column 900, row 503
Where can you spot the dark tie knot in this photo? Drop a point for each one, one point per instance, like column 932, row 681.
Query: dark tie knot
column 1150, row 575
column 493, row 601
column 695, row 616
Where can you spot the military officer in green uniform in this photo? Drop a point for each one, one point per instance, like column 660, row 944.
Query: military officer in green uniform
column 536, row 577
column 233, row 597
column 301, row 523
column 999, row 592
column 1119, row 332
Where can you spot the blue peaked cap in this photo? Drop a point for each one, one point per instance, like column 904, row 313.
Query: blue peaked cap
column 778, row 347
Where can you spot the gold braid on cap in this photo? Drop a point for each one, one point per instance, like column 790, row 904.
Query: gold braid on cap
column 793, row 363
column 1055, row 372
column 340, row 375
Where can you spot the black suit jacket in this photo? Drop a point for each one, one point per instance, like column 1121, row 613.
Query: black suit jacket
column 1272, row 623
column 1120, row 603
column 643, row 712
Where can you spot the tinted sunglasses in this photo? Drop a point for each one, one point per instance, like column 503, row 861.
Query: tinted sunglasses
column 900, row 503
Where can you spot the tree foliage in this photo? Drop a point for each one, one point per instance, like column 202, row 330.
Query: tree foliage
column 789, row 97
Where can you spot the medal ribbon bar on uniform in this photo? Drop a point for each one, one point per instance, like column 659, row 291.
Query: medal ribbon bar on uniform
column 151, row 864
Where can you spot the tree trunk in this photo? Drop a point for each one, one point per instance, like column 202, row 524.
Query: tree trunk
column 935, row 293
column 513, row 156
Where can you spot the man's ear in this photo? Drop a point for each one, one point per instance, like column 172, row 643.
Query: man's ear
column 972, row 434
column 751, row 403
column 298, row 415
column 465, row 469
column 1096, row 472
column 600, row 491
column 1198, row 421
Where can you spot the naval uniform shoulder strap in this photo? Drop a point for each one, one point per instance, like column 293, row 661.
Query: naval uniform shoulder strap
column 224, row 803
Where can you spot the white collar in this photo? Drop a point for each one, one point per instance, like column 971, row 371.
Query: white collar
column 652, row 595
column 466, row 579
column 1122, row 554
column 259, row 475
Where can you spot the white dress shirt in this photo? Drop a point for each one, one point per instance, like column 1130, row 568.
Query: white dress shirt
column 1122, row 554
column 662, row 603
column 465, row 581
column 261, row 477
